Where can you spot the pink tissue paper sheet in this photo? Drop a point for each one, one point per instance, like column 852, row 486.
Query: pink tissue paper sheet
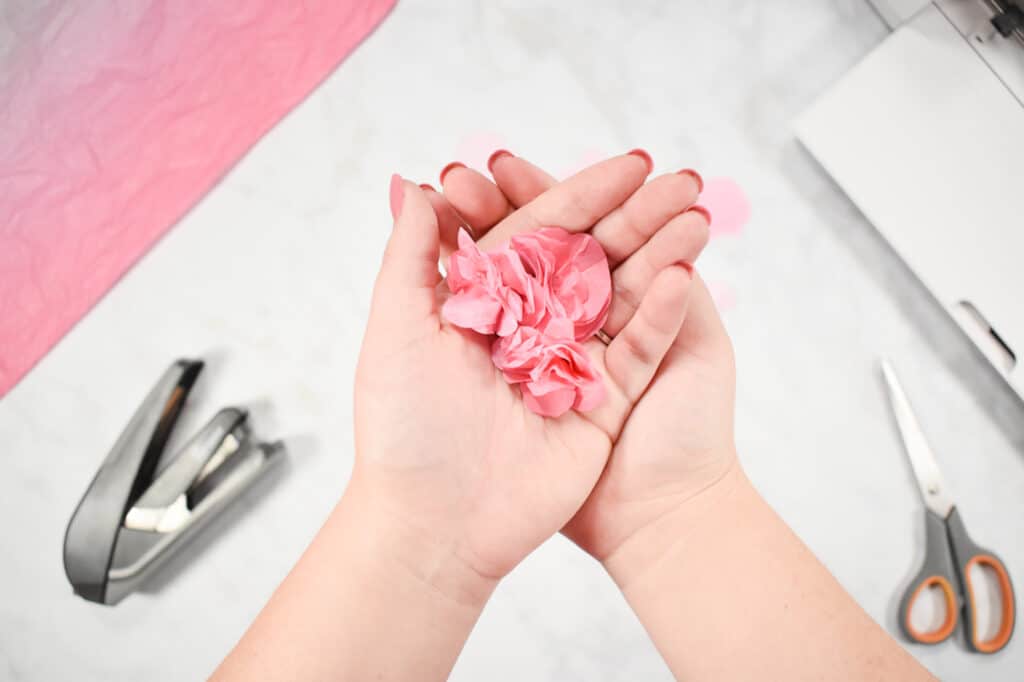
column 116, row 117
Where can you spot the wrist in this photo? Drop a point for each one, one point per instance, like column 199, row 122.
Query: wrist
column 391, row 549
column 648, row 546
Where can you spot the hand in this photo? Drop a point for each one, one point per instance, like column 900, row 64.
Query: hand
column 678, row 440
column 447, row 454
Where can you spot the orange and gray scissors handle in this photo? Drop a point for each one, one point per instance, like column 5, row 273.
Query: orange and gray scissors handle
column 938, row 570
column 949, row 556
column 966, row 555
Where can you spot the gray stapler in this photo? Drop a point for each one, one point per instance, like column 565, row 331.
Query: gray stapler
column 134, row 515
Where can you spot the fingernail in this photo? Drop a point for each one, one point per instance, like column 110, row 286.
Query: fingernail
column 686, row 266
column 645, row 156
column 449, row 167
column 397, row 195
column 696, row 177
column 427, row 185
column 703, row 211
column 495, row 156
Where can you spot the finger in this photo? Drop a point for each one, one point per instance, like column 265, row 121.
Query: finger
column 410, row 258
column 635, row 354
column 628, row 227
column 681, row 239
column 577, row 203
column 519, row 180
column 622, row 230
column 703, row 331
column 448, row 221
column 474, row 197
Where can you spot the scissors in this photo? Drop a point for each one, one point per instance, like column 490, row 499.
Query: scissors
column 949, row 551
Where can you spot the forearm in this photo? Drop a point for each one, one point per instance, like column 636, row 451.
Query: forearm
column 727, row 591
column 367, row 600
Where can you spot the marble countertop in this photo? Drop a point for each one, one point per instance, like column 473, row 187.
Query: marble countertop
column 269, row 279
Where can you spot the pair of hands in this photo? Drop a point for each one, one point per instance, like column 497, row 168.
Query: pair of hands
column 460, row 477
column 456, row 480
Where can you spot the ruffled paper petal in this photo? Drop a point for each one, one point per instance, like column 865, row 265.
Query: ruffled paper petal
column 553, row 404
column 554, row 375
column 573, row 269
column 481, row 299
column 473, row 310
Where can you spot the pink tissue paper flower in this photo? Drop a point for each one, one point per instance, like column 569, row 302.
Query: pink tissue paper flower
column 554, row 373
column 544, row 294
column 573, row 269
column 492, row 294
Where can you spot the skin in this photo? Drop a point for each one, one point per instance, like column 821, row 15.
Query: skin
column 455, row 481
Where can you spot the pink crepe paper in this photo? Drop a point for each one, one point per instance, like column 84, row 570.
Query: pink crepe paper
column 116, row 117
column 542, row 294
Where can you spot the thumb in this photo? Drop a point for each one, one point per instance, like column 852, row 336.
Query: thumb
column 410, row 258
column 703, row 328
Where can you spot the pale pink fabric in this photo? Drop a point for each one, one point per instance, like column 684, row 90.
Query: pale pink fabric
column 542, row 294
column 115, row 117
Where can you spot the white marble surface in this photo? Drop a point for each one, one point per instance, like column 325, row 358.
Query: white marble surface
column 269, row 277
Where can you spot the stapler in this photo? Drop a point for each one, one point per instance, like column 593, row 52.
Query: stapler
column 139, row 509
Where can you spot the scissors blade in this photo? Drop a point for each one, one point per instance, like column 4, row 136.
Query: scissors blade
column 922, row 459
